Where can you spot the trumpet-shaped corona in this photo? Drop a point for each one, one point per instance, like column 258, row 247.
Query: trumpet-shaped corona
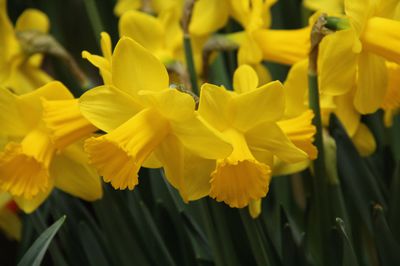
column 239, row 178
column 34, row 154
column 119, row 154
column 65, row 122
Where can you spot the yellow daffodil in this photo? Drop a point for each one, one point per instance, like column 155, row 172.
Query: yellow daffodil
column 146, row 122
column 19, row 71
column 296, row 85
column 352, row 59
column 30, row 167
column 297, row 128
column 248, row 119
column 10, row 223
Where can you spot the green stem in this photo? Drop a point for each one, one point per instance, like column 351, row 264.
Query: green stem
column 94, row 17
column 190, row 63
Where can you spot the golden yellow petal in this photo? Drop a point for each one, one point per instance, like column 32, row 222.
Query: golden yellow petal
column 364, row 140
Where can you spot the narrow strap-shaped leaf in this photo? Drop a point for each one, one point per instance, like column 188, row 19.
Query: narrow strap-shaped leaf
column 35, row 254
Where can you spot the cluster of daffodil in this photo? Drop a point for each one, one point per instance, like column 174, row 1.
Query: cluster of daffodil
column 228, row 143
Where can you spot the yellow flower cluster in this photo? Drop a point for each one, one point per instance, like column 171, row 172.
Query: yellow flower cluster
column 228, row 143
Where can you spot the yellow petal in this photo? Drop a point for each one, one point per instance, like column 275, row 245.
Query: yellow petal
column 364, row 140
column 107, row 107
column 263, row 73
column 270, row 137
column 249, row 51
column 372, row 83
column 124, row 5
column 245, row 79
column 8, row 42
column 73, row 175
column 106, row 46
column 346, row 112
column 152, row 162
column 173, row 165
column 282, row 168
column 197, row 172
column 264, row 104
column 119, row 154
column 33, row 19
column 358, row 11
column 65, row 122
column 136, row 25
column 34, row 153
column 208, row 16
column 255, row 208
column 134, row 68
column 337, row 62
column 391, row 103
column 29, row 205
column 300, row 132
column 173, row 104
column 30, row 104
column 389, row 38
column 283, row 46
column 10, row 117
column 102, row 64
column 200, row 138
column 215, row 100
column 296, row 89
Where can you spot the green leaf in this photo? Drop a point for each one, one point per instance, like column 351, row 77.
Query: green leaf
column 349, row 255
column 35, row 254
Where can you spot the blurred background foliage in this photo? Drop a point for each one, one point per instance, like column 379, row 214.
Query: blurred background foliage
column 152, row 226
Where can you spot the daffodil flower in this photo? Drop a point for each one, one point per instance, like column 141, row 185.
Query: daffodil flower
column 19, row 71
column 296, row 85
column 157, row 6
column 146, row 122
column 248, row 120
column 353, row 58
column 329, row 6
column 30, row 167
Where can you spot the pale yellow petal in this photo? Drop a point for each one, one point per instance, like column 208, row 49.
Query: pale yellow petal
column 270, row 137
column 214, row 105
column 371, row 84
column 364, row 140
column 33, row 19
column 245, row 79
column 208, row 16
column 296, row 89
column 200, row 138
column 10, row 117
column 337, row 62
column 264, row 104
column 107, row 107
column 171, row 103
column 358, row 11
column 134, row 68
column 346, row 112
column 143, row 28
column 249, row 51
column 73, row 175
